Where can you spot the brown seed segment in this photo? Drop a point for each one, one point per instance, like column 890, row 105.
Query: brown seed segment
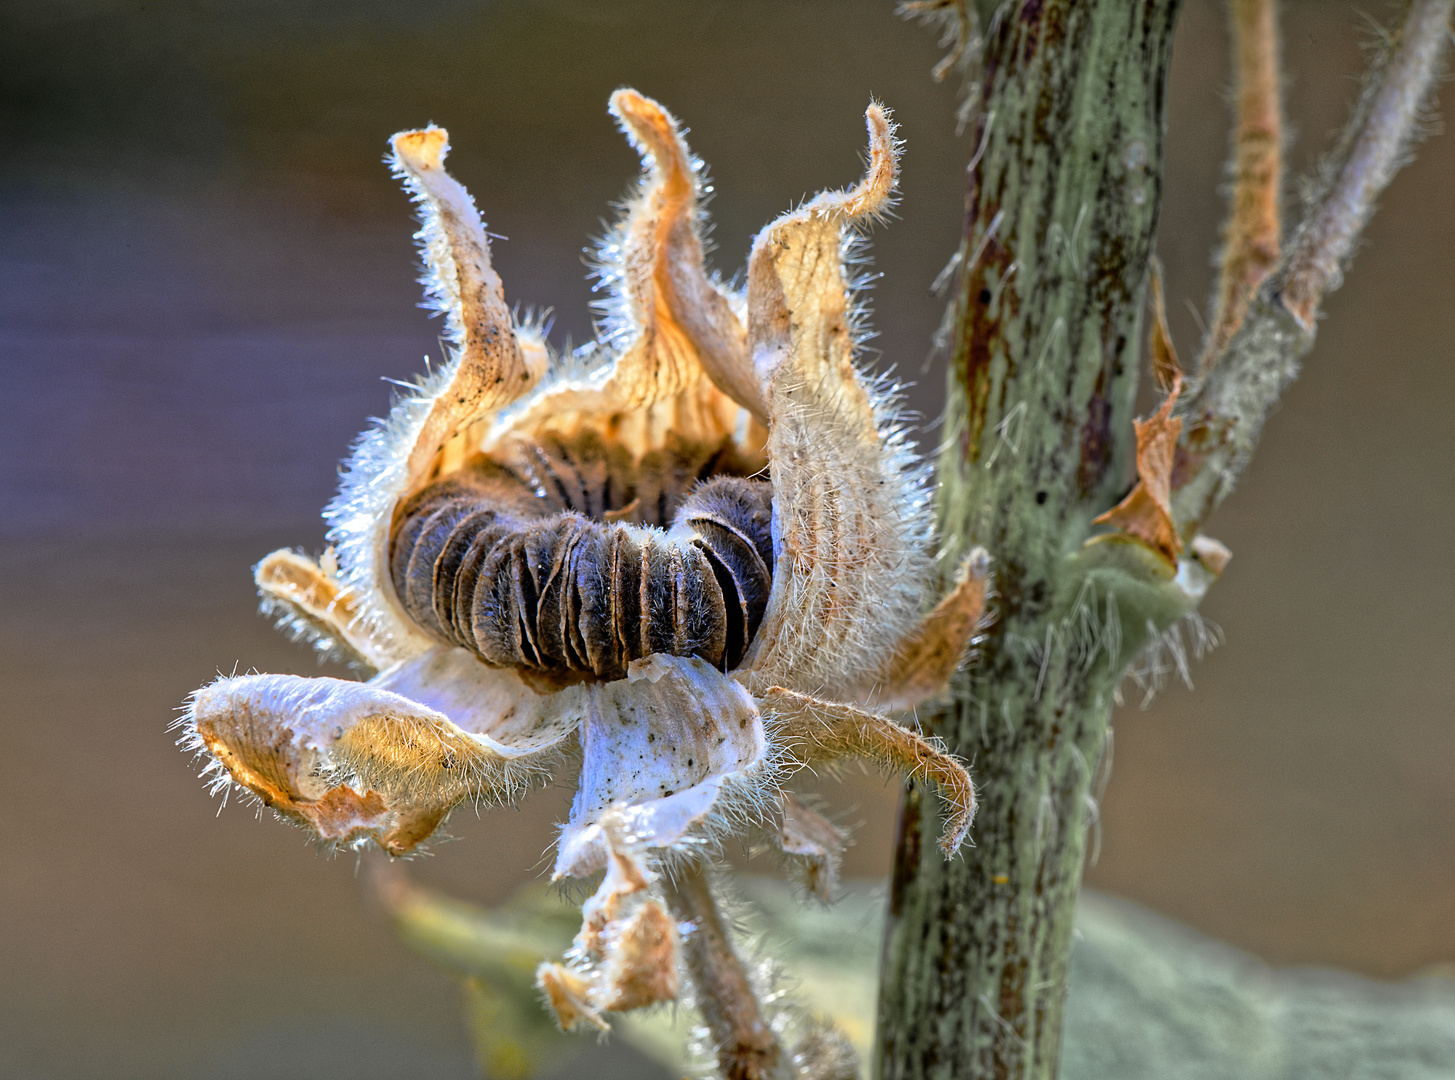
column 552, row 557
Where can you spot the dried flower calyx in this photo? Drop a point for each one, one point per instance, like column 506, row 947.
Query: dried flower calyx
column 529, row 551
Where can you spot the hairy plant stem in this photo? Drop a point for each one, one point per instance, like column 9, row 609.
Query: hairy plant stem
column 745, row 1044
column 1253, row 232
column 1043, row 339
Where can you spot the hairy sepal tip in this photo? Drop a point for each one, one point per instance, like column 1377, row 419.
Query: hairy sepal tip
column 422, row 150
column 873, row 195
column 653, row 131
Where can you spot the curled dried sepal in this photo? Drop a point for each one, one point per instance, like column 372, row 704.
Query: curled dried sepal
column 625, row 956
column 260, row 738
column 826, row 730
column 667, row 322
column 305, row 600
column 1146, row 513
column 383, row 760
column 796, row 271
column 927, row 658
column 852, row 512
column 683, row 323
column 490, row 369
column 813, row 843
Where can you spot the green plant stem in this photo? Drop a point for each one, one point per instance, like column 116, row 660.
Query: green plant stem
column 1044, row 335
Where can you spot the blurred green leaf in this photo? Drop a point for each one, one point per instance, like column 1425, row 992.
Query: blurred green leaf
column 1148, row 999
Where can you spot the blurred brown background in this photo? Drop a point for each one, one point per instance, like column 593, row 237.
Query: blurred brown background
column 207, row 274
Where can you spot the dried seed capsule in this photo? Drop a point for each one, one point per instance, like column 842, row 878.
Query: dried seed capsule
column 553, row 559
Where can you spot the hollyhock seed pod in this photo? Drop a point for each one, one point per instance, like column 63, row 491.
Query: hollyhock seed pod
column 667, row 547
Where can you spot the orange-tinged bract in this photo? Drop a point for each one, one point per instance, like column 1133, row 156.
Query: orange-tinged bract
column 1145, row 514
column 664, row 549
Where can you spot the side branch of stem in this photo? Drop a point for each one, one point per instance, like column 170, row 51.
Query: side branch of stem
column 1384, row 124
column 1251, row 237
column 1225, row 417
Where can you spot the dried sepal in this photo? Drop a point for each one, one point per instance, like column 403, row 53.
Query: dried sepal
column 689, row 324
column 489, row 368
column 625, row 956
column 813, row 844
column 568, row 995
column 624, row 883
column 257, row 728
column 827, row 730
column 851, row 505
column 641, row 965
column 653, row 248
column 383, row 760
column 672, row 752
column 305, row 600
column 1145, row 514
column 924, row 661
